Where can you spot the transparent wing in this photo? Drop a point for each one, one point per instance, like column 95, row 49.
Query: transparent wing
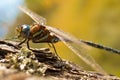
column 71, row 42
column 77, row 47
column 38, row 19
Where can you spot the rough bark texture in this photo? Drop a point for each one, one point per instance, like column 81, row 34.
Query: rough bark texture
column 40, row 64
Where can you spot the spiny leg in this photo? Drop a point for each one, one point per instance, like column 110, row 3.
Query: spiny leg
column 22, row 42
column 34, row 50
column 49, row 45
column 28, row 46
column 55, row 50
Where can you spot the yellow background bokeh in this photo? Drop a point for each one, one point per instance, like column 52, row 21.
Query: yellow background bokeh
column 92, row 20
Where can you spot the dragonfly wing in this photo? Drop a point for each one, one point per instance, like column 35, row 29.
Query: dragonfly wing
column 77, row 47
column 38, row 19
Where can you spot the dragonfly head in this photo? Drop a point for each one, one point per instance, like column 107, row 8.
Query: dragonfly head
column 23, row 31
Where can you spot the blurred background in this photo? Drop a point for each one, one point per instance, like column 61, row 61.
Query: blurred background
column 92, row 20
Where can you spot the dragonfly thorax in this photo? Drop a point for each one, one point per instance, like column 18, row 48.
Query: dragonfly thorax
column 40, row 34
column 23, row 31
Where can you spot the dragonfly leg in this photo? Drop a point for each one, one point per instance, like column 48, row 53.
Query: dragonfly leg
column 55, row 51
column 28, row 46
column 49, row 45
column 35, row 50
column 18, row 45
column 22, row 42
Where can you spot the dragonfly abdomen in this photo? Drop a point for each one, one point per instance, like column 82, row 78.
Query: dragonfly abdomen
column 99, row 46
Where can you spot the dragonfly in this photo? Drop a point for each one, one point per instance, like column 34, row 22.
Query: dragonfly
column 48, row 34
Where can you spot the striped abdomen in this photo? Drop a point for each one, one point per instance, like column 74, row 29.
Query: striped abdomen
column 39, row 34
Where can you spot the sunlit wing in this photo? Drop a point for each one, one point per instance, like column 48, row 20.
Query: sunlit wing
column 40, row 20
column 71, row 42
column 77, row 47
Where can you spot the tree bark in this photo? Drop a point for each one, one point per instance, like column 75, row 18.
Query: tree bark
column 19, row 63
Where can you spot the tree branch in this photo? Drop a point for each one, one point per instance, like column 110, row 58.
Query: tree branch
column 18, row 62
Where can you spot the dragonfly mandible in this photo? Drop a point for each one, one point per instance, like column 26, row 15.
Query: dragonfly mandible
column 53, row 35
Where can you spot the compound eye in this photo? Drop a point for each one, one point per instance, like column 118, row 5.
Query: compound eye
column 24, row 27
column 23, row 31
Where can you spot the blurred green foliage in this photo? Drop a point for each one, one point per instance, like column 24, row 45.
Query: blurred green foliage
column 94, row 20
